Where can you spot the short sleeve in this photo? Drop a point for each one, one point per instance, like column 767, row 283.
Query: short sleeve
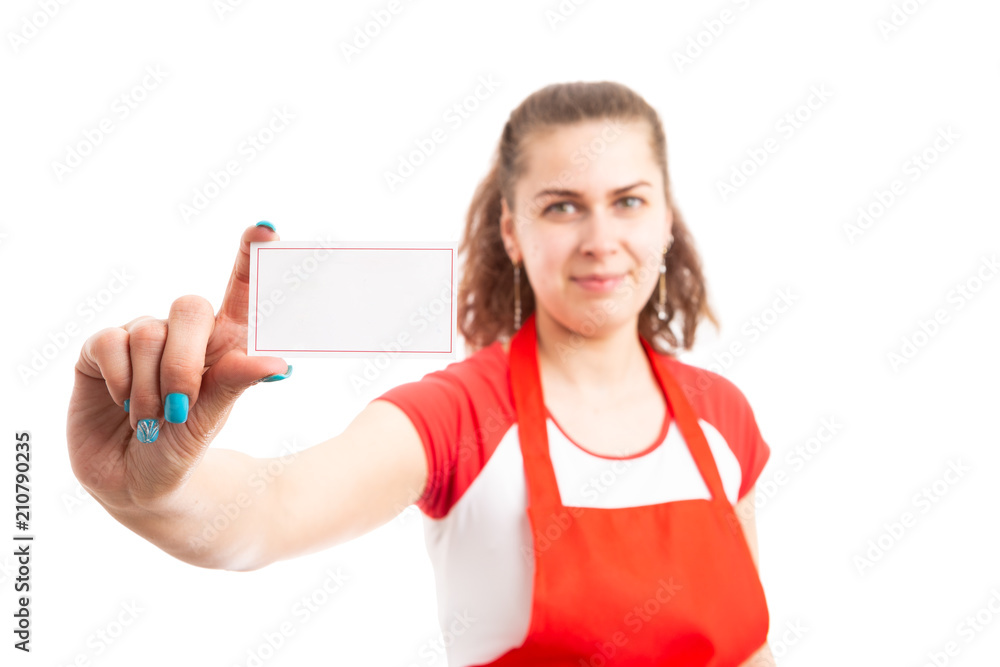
column 756, row 454
column 720, row 402
column 435, row 406
column 748, row 445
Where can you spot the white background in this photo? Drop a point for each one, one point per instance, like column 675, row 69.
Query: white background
column 322, row 178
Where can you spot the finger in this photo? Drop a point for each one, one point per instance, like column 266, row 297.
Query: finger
column 146, row 340
column 236, row 300
column 189, row 326
column 105, row 356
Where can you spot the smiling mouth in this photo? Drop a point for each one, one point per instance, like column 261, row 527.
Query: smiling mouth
column 599, row 282
column 600, row 276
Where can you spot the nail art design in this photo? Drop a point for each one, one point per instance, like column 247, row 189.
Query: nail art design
column 265, row 223
column 149, row 430
column 126, row 405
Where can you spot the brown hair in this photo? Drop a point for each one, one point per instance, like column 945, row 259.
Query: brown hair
column 486, row 293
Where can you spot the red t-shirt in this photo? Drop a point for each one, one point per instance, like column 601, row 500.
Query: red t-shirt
column 477, row 530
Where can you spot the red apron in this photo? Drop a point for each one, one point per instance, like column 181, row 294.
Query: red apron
column 667, row 584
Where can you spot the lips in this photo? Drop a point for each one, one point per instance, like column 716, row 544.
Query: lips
column 600, row 276
column 599, row 282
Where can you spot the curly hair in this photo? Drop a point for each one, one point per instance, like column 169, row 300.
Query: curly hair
column 485, row 300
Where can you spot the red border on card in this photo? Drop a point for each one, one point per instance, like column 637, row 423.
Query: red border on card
column 451, row 330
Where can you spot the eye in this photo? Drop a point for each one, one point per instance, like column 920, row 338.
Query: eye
column 638, row 201
column 558, row 207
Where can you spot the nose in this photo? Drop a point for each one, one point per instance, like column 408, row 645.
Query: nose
column 599, row 233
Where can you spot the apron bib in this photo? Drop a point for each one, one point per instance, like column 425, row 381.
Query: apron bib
column 666, row 584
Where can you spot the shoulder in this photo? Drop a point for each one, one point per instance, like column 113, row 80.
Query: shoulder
column 488, row 364
column 709, row 392
column 719, row 402
column 463, row 388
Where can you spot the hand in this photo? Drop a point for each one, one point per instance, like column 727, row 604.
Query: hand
column 193, row 353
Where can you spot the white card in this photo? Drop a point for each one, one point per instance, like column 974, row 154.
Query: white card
column 310, row 299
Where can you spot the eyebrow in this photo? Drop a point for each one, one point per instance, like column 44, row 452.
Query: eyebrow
column 574, row 193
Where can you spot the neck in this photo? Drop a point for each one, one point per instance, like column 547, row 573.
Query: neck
column 601, row 363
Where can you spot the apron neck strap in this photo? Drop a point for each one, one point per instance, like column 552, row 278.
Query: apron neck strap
column 543, row 490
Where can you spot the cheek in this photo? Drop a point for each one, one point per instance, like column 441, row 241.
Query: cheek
column 547, row 258
column 649, row 257
column 543, row 274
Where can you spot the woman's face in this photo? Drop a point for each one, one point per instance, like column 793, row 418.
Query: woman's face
column 590, row 206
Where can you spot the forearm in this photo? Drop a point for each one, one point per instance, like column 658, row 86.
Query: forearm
column 219, row 519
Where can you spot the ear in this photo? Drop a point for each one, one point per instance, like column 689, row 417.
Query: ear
column 510, row 241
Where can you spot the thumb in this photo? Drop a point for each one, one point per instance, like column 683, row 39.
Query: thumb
column 229, row 377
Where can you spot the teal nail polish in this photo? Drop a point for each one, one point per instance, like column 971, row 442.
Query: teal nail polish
column 148, row 431
column 126, row 405
column 278, row 376
column 175, row 408
column 265, row 223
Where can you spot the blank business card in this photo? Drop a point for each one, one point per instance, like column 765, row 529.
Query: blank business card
column 364, row 300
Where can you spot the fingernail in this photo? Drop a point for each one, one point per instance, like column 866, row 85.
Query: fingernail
column 265, row 223
column 175, row 408
column 149, row 430
column 126, row 405
column 278, row 376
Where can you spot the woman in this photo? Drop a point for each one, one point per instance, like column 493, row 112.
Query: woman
column 579, row 483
